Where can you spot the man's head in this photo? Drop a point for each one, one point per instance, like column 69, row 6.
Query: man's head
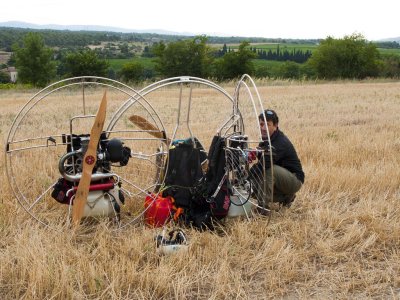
column 272, row 122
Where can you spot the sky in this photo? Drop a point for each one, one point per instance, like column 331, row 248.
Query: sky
column 296, row 19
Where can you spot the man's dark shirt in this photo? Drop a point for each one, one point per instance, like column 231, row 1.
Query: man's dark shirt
column 283, row 154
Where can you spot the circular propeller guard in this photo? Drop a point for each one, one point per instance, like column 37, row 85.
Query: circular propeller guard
column 42, row 146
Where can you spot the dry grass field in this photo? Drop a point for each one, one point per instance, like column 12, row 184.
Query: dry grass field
column 339, row 240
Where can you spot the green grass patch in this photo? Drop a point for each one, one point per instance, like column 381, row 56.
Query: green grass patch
column 7, row 86
column 272, row 66
column 389, row 51
column 262, row 63
column 282, row 47
column 303, row 47
column 116, row 64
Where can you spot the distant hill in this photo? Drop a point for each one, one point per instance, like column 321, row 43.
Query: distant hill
column 395, row 39
column 160, row 32
column 18, row 24
column 83, row 36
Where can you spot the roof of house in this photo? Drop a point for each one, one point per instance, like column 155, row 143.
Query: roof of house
column 9, row 69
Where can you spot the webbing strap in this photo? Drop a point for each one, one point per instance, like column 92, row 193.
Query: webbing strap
column 219, row 186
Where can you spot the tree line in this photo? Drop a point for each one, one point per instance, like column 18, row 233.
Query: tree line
column 298, row 56
column 348, row 57
column 75, row 39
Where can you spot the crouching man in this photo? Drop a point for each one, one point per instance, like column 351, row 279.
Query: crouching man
column 288, row 175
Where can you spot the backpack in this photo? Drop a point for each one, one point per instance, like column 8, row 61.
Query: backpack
column 216, row 179
column 183, row 172
column 202, row 197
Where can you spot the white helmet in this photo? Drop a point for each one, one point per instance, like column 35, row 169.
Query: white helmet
column 175, row 242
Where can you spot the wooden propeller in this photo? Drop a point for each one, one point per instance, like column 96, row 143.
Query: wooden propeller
column 143, row 124
column 89, row 161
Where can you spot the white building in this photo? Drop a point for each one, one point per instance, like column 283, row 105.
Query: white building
column 12, row 72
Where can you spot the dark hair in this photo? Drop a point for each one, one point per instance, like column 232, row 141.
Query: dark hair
column 270, row 115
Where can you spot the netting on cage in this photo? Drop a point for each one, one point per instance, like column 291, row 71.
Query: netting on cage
column 247, row 154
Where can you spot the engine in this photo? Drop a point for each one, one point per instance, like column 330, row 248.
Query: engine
column 105, row 197
column 238, row 159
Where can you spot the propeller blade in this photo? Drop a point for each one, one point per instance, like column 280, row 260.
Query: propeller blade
column 89, row 161
column 143, row 124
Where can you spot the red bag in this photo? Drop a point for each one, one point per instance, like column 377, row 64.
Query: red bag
column 158, row 210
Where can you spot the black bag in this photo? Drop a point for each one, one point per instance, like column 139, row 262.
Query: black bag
column 204, row 198
column 184, row 173
column 216, row 179
column 60, row 190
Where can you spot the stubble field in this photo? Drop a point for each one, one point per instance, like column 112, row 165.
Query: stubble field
column 340, row 238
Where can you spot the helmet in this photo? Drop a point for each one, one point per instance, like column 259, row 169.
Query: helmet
column 176, row 241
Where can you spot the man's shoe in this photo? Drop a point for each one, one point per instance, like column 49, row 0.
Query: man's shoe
column 289, row 201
